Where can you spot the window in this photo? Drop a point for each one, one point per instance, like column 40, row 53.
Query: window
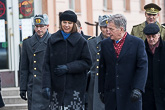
column 75, row 5
column 3, row 36
column 71, row 4
column 107, row 4
column 142, row 3
column 127, row 5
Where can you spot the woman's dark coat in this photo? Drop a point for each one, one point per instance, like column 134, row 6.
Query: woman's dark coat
column 155, row 86
column 119, row 76
column 73, row 52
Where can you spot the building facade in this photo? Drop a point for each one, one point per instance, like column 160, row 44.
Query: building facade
column 16, row 23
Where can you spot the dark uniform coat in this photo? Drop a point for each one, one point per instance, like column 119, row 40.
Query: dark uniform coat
column 94, row 102
column 32, row 59
column 68, row 90
column 137, row 30
column 155, row 87
column 119, row 76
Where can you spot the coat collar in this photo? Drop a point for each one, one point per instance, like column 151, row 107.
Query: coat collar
column 160, row 44
column 39, row 46
column 125, row 48
column 34, row 39
column 99, row 38
column 72, row 39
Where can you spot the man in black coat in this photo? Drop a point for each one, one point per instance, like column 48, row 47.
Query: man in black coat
column 123, row 67
column 154, row 96
column 32, row 58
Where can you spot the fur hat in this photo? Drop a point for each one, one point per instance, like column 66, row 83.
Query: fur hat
column 68, row 15
column 103, row 20
column 41, row 20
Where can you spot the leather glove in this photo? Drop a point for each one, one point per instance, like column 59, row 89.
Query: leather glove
column 102, row 97
column 135, row 95
column 61, row 70
column 23, row 95
column 46, row 93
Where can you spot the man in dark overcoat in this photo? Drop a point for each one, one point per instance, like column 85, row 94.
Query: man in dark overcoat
column 154, row 96
column 32, row 58
column 94, row 102
column 123, row 67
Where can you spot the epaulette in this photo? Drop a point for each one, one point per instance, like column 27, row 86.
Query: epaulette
column 26, row 38
column 163, row 26
column 136, row 25
column 92, row 37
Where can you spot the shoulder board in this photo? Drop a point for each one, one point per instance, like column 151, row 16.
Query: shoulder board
column 91, row 37
column 163, row 26
column 136, row 25
column 26, row 38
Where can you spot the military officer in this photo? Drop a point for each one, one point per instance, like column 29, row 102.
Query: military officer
column 32, row 58
column 94, row 102
column 151, row 14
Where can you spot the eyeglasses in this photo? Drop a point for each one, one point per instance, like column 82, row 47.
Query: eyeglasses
column 41, row 26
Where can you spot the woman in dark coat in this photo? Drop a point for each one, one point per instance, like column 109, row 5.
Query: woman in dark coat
column 66, row 61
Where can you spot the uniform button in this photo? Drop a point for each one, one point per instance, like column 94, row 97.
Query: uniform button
column 97, row 47
column 97, row 74
column 35, row 75
column 97, row 59
column 97, row 67
column 117, row 88
column 35, row 61
column 34, row 54
column 98, row 53
column 35, row 68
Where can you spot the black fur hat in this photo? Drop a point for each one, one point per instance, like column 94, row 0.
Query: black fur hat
column 68, row 15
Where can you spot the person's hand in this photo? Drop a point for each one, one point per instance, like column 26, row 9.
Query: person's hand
column 60, row 70
column 135, row 95
column 46, row 92
column 23, row 95
column 102, row 97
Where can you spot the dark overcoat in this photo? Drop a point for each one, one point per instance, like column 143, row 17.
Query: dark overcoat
column 94, row 102
column 119, row 76
column 155, row 87
column 67, row 90
column 32, row 58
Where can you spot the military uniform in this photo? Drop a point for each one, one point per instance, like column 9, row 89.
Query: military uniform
column 151, row 9
column 31, row 64
column 33, row 51
column 94, row 99
column 137, row 31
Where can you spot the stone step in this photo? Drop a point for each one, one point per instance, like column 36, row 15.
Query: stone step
column 13, row 91
column 15, row 107
column 13, row 100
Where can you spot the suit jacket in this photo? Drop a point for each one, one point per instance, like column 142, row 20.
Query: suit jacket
column 119, row 76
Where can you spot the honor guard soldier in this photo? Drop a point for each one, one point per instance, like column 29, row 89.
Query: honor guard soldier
column 94, row 102
column 151, row 14
column 32, row 58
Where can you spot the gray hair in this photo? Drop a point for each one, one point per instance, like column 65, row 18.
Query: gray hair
column 119, row 20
